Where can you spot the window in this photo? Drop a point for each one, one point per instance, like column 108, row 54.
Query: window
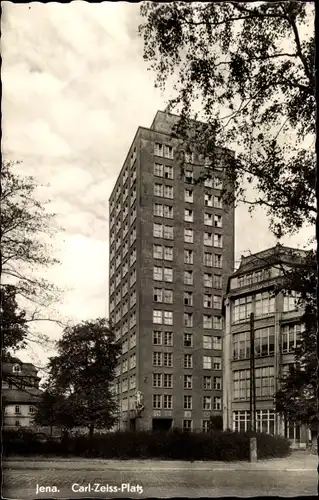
column 157, row 380
column 158, row 169
column 208, row 259
column 264, row 304
column 168, row 232
column 188, row 196
column 208, row 200
column 208, row 219
column 207, row 382
column 217, row 281
column 188, row 361
column 218, row 261
column 208, row 280
column 158, row 295
column 207, row 403
column 289, row 337
column 188, row 403
column 207, row 362
column 168, row 339
column 168, row 296
column 265, row 421
column 168, row 274
column 218, row 183
column 208, row 182
column 168, row 317
column 188, row 319
column 217, row 403
column 205, row 425
column 188, row 235
column 290, row 302
column 124, row 404
column 168, row 172
column 168, row 253
column 188, row 381
column 217, row 302
column 169, row 192
column 132, row 257
column 217, row 363
column 217, row 383
column 189, row 157
column 188, row 256
column 17, row 409
column 218, row 241
column 132, row 382
column 124, row 346
column 168, row 152
column 168, row 380
column 217, row 322
column 218, row 202
column 188, row 215
column 31, row 409
column 188, row 277
column 158, row 317
column 207, row 321
column 168, row 401
column 189, row 176
column 217, row 343
column 207, row 342
column 208, row 300
column 157, row 251
column 157, row 359
column 124, row 385
column 158, row 149
column 241, row 421
column 242, row 308
column 168, row 359
column 157, row 337
column 218, row 221
column 264, row 341
column 188, row 339
column 158, row 189
column 208, row 239
column 241, row 345
column 157, row 273
column 241, row 384
column 168, row 212
column 265, row 384
column 157, row 401
column 133, row 340
column 158, row 210
column 188, row 298
column 157, row 230
column 187, row 425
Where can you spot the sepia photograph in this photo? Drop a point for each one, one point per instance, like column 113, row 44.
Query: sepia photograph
column 158, row 250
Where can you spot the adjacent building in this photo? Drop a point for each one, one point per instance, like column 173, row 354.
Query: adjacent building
column 277, row 324
column 171, row 253
column 20, row 393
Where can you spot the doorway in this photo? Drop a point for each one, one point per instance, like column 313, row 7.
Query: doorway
column 162, row 424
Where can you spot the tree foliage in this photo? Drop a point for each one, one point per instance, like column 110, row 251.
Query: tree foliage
column 249, row 67
column 24, row 251
column 81, row 376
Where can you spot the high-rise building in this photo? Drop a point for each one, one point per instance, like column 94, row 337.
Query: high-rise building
column 276, row 328
column 171, row 253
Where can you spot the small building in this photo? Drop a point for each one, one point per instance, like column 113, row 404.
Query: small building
column 277, row 324
column 20, row 393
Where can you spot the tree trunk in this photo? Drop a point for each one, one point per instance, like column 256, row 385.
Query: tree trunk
column 314, row 443
column 91, row 433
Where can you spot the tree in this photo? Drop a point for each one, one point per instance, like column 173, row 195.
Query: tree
column 24, row 251
column 250, row 69
column 52, row 411
column 81, row 375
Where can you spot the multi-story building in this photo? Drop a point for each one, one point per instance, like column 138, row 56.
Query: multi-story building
column 276, row 326
column 171, row 252
column 20, row 393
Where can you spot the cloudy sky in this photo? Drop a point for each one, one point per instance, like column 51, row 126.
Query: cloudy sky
column 75, row 89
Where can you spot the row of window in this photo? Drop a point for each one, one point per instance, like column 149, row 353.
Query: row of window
column 260, row 304
column 165, row 401
column 167, row 232
column 166, row 318
column 129, row 343
column 255, row 277
column 167, row 211
column 167, row 253
column 166, row 339
column 162, row 295
column 210, row 200
column 264, row 382
column 166, row 359
column 166, row 274
column 124, row 179
column 127, row 364
column 265, row 421
column 17, row 410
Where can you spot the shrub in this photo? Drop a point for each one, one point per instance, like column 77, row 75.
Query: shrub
column 269, row 446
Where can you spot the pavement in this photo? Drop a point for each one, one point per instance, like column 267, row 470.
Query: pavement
column 39, row 477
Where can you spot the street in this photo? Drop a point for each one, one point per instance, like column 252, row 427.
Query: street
column 79, row 478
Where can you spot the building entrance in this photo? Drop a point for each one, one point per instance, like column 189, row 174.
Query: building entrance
column 162, row 424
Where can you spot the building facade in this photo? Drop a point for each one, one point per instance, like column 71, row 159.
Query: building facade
column 171, row 252
column 20, row 393
column 276, row 326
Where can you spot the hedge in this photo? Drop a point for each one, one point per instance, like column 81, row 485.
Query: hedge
column 172, row 445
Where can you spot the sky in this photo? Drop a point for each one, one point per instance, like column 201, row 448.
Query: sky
column 75, row 90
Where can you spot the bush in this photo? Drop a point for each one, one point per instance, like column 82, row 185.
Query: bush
column 172, row 445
